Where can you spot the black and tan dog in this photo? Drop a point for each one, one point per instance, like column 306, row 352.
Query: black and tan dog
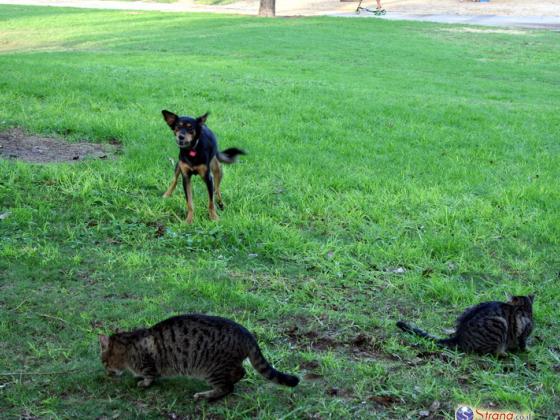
column 198, row 154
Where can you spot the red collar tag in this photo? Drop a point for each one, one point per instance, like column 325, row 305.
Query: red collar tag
column 192, row 153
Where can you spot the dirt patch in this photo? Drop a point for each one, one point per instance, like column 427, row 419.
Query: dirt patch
column 16, row 144
column 361, row 346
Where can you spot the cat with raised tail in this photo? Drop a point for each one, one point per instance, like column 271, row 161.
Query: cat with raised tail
column 488, row 328
column 205, row 347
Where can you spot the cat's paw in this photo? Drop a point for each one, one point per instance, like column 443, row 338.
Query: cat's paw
column 199, row 396
column 206, row 395
column 212, row 395
column 144, row 383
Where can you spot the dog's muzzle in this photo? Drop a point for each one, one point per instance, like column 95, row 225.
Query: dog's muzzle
column 184, row 139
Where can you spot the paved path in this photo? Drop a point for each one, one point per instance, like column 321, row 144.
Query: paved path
column 534, row 22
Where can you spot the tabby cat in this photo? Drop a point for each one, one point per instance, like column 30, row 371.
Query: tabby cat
column 205, row 347
column 489, row 327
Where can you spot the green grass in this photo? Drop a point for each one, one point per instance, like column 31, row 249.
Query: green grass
column 374, row 146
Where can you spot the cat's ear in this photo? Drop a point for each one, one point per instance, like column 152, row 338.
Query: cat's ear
column 104, row 342
column 521, row 300
column 119, row 330
column 170, row 118
column 514, row 300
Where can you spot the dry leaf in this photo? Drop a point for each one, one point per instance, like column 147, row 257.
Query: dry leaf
column 384, row 400
column 310, row 376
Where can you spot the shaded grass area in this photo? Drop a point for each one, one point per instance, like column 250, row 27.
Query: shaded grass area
column 395, row 170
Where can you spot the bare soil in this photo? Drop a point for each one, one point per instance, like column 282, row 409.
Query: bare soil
column 16, row 144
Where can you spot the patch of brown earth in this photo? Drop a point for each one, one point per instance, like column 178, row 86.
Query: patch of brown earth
column 16, row 144
column 361, row 346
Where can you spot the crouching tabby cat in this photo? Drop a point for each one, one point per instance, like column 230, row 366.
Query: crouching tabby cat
column 489, row 327
column 205, row 347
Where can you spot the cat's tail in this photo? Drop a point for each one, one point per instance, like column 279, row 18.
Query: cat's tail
column 445, row 342
column 230, row 155
column 265, row 369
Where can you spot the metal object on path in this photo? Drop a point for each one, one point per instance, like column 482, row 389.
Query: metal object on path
column 377, row 12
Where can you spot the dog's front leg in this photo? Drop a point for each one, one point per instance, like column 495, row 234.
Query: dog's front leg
column 188, row 195
column 173, row 182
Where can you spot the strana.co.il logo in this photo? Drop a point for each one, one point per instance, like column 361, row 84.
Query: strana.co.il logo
column 464, row 413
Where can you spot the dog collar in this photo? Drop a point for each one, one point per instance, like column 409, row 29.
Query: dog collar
column 192, row 152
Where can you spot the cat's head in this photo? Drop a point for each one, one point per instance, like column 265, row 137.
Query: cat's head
column 113, row 354
column 525, row 302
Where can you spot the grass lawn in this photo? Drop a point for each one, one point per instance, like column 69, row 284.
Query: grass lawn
column 395, row 170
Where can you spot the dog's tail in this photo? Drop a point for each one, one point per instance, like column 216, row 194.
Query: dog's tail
column 230, row 155
column 445, row 342
column 265, row 369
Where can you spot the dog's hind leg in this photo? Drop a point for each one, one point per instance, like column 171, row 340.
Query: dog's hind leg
column 206, row 174
column 218, row 173
column 173, row 182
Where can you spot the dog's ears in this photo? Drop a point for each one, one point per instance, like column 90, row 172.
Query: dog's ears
column 202, row 119
column 170, row 118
